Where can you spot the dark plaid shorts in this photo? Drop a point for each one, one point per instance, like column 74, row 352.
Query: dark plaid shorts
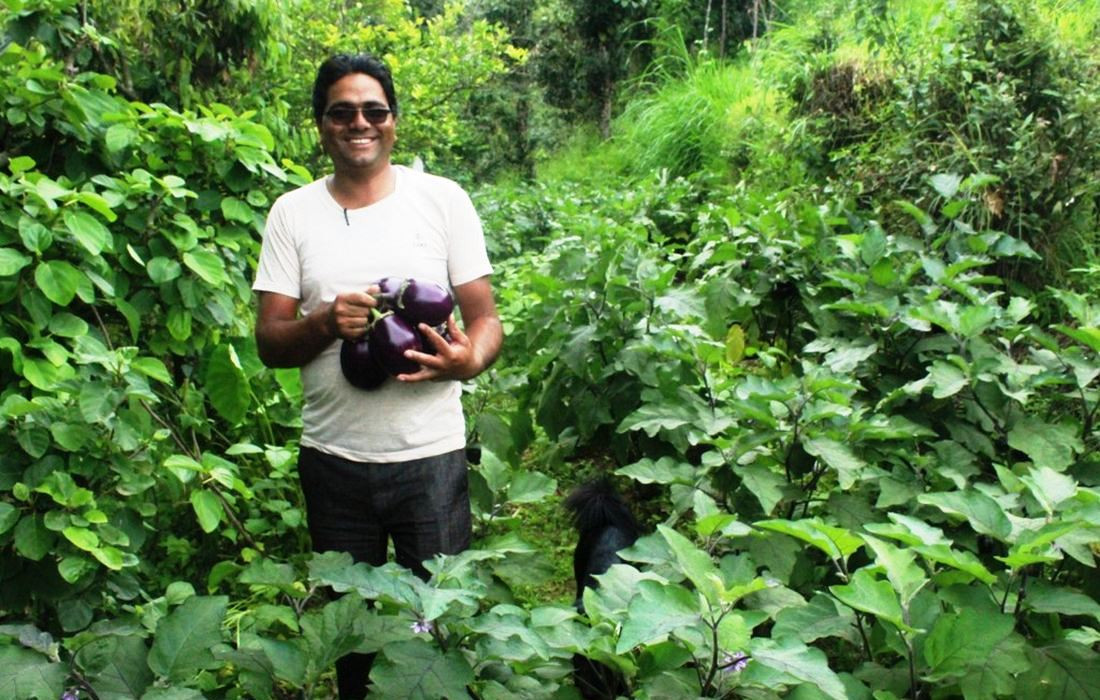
column 423, row 505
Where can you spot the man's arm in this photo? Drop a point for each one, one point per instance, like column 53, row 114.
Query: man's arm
column 285, row 339
column 469, row 353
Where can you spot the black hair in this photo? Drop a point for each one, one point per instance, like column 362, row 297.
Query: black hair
column 338, row 66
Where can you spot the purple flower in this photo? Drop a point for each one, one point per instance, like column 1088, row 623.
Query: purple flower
column 422, row 627
column 733, row 663
column 71, row 695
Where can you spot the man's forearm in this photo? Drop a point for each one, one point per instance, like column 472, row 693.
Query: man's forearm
column 486, row 336
column 293, row 342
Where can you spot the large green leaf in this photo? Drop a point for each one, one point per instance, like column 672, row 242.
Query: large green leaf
column 28, row 675
column 836, row 542
column 901, row 568
column 696, row 563
column 839, row 457
column 806, row 664
column 1062, row 671
column 226, row 384
column 12, row 261
column 206, row 265
column 182, row 646
column 961, row 640
column 332, row 632
column 58, row 280
column 657, row 610
column 117, row 667
column 984, row 514
column 1050, row 445
column 87, row 230
column 208, row 509
column 418, row 670
column 870, row 595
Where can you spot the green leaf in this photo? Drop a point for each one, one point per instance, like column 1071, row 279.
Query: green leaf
column 332, row 632
column 665, row 470
column 1089, row 337
column 58, row 280
column 995, row 675
column 1046, row 444
column 183, row 641
column 901, row 568
column 1061, row 671
column 208, row 509
column 82, row 538
column 32, row 539
column 807, row 664
column 836, row 542
column 1044, row 597
column 12, row 261
column 418, row 670
column 21, row 164
column 839, row 457
column 961, row 640
column 117, row 666
column 119, row 137
column 153, row 368
column 735, row 344
column 984, row 514
column 947, row 379
column 206, row 265
column 234, row 209
column 226, row 384
column 946, row 184
column 28, row 675
column 821, row 617
column 696, row 564
column 87, row 230
column 529, row 486
column 162, row 269
column 656, row 611
column 867, row 594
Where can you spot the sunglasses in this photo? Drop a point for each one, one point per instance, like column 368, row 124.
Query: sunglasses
column 345, row 114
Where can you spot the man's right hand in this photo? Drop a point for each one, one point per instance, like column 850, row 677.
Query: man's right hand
column 348, row 315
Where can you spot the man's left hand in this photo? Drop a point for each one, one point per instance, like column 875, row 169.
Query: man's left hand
column 454, row 359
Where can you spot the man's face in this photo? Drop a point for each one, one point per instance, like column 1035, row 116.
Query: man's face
column 358, row 147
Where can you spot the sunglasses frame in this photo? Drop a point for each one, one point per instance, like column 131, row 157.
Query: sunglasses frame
column 373, row 113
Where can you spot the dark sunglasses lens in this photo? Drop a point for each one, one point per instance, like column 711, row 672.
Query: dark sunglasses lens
column 342, row 115
column 376, row 116
column 346, row 115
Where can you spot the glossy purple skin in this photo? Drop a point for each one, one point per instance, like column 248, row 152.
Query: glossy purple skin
column 390, row 337
column 359, row 365
column 421, row 301
column 429, row 348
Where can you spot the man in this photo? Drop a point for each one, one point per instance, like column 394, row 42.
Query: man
column 388, row 463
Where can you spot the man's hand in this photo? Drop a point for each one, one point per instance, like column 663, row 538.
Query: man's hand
column 452, row 360
column 348, row 315
column 469, row 352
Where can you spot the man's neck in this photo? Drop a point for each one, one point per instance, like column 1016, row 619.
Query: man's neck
column 354, row 190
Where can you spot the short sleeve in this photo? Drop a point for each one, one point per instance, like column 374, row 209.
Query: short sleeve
column 279, row 268
column 467, row 258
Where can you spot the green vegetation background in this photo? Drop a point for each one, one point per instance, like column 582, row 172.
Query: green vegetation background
column 814, row 282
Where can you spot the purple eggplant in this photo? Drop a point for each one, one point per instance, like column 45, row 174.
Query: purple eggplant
column 390, row 336
column 420, row 301
column 389, row 288
column 359, row 365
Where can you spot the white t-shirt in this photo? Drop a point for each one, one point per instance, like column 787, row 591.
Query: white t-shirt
column 314, row 249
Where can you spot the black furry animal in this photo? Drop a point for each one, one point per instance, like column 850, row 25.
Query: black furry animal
column 605, row 525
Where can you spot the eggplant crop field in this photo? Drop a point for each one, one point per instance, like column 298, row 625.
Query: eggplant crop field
column 814, row 283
